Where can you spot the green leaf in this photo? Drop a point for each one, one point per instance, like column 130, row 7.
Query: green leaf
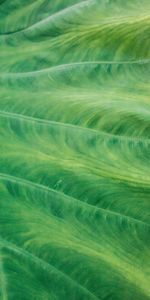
column 75, row 150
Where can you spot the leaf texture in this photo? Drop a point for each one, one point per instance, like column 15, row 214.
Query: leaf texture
column 75, row 150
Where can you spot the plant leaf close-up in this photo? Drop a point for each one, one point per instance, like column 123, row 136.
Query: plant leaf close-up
column 75, row 150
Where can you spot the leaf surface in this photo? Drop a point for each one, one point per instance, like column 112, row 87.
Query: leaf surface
column 75, row 150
